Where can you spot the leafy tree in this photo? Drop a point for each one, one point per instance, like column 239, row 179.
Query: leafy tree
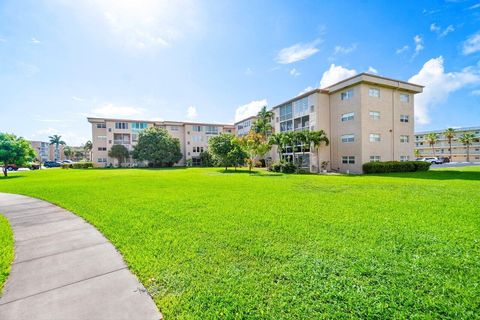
column 56, row 140
column 450, row 135
column 254, row 145
column 14, row 150
column 220, row 146
column 303, row 137
column 88, row 149
column 68, row 152
column 237, row 155
column 263, row 123
column 317, row 139
column 156, row 146
column 432, row 139
column 416, row 153
column 276, row 140
column 467, row 139
column 119, row 152
column 288, row 140
column 207, row 159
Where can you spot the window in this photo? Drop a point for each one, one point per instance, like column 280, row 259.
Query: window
column 404, row 139
column 374, row 92
column 348, row 159
column 301, row 124
column 348, row 116
column 286, row 112
column 404, row 158
column 374, row 137
column 403, row 118
column 197, row 149
column 101, row 125
column 197, row 128
column 312, row 108
column 300, row 107
column 121, row 125
column 139, row 125
column 347, row 95
column 404, row 97
column 121, row 138
column 196, row 162
column 102, row 137
column 102, row 149
column 286, row 126
column 211, row 130
column 102, row 160
column 374, row 115
column 348, row 138
column 197, row 138
column 374, row 158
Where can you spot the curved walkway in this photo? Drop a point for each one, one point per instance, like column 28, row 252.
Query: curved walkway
column 65, row 269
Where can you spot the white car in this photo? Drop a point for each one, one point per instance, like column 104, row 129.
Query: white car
column 429, row 159
column 67, row 161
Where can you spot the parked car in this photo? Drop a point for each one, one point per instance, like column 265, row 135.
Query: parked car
column 52, row 164
column 12, row 167
column 34, row 166
column 67, row 161
column 443, row 160
column 429, row 159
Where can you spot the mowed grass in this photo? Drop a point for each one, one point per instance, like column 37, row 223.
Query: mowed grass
column 6, row 250
column 209, row 244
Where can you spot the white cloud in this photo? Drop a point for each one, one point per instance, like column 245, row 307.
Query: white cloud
column 438, row 85
column 475, row 6
column 344, row 50
column 192, row 113
column 294, row 72
column 141, row 24
column 249, row 109
column 472, row 44
column 372, row 70
column 402, row 49
column 248, row 71
column 418, row 44
column 476, row 92
column 78, row 99
column 335, row 74
column 297, row 52
column 307, row 89
column 35, row 41
column 438, row 30
column 71, row 138
column 110, row 110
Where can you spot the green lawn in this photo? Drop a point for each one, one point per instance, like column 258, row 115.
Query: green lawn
column 209, row 244
column 6, row 250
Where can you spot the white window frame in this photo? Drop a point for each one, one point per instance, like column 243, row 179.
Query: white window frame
column 374, row 115
column 374, row 92
column 404, row 97
column 375, row 158
column 348, row 138
column 404, row 139
column 404, row 118
column 404, row 158
column 347, row 116
column 346, row 95
column 348, row 159
column 374, row 137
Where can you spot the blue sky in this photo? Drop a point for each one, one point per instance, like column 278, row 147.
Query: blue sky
column 213, row 61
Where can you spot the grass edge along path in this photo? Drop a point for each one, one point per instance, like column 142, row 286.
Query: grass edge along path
column 6, row 250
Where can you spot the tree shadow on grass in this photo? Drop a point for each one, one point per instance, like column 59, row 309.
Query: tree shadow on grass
column 432, row 175
column 10, row 177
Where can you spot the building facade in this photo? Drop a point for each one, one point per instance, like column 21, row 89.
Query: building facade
column 442, row 147
column 193, row 137
column 47, row 152
column 243, row 127
column 366, row 118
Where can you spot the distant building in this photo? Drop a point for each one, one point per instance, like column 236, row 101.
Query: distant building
column 442, row 148
column 193, row 137
column 243, row 127
column 47, row 152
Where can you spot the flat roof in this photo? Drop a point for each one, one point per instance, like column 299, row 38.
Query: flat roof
column 443, row 130
column 374, row 76
column 160, row 122
column 245, row 119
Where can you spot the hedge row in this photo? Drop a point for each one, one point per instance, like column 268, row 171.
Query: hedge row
column 282, row 166
column 395, row 166
column 77, row 165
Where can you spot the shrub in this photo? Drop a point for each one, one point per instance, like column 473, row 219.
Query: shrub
column 395, row 166
column 81, row 165
column 282, row 166
column 66, row 165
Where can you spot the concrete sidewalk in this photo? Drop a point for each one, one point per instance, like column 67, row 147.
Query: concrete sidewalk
column 65, row 269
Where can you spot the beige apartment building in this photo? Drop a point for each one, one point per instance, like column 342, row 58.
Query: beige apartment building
column 243, row 127
column 366, row 117
column 45, row 151
column 442, row 148
column 193, row 137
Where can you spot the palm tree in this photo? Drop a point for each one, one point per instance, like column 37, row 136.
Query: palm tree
column 68, row 152
column 304, row 140
column 317, row 138
column 431, row 139
column 88, row 149
column 263, row 123
column 450, row 135
column 56, row 140
column 276, row 139
column 288, row 140
column 467, row 139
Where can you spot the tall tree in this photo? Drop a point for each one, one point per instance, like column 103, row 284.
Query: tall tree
column 56, row 140
column 220, row 146
column 14, row 150
column 263, row 123
column 288, row 140
column 255, row 146
column 449, row 135
column 416, row 153
column 317, row 139
column 467, row 139
column 157, row 147
column 119, row 152
column 88, row 149
column 237, row 155
column 432, row 139
column 68, row 152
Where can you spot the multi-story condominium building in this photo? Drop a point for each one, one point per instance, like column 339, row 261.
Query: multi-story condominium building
column 366, row 117
column 442, row 147
column 193, row 137
column 45, row 151
column 243, row 127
